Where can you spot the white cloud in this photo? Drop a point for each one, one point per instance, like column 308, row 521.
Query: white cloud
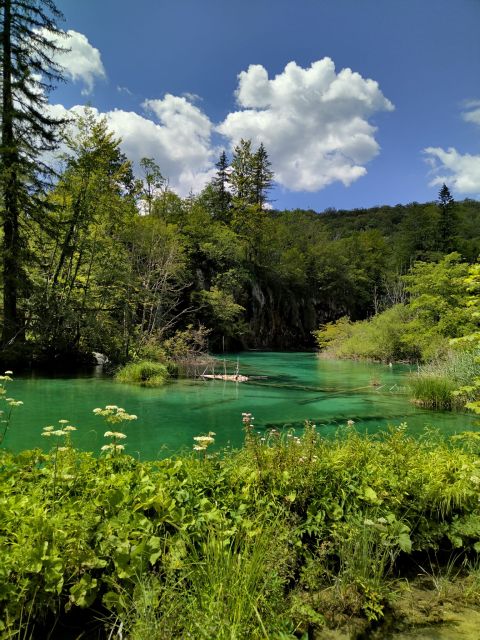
column 472, row 114
column 313, row 122
column 177, row 136
column 81, row 62
column 460, row 171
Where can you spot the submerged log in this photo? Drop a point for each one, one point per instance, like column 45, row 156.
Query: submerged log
column 234, row 377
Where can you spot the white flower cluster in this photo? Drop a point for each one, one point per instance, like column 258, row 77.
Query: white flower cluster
column 203, row 442
column 114, row 414
column 64, row 430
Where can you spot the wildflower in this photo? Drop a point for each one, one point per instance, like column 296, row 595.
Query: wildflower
column 197, row 447
column 9, row 373
column 111, row 407
column 46, row 433
column 58, row 432
column 62, row 449
column 350, row 423
column 49, row 428
column 97, row 410
column 69, row 428
column 114, row 434
column 204, row 440
column 63, row 421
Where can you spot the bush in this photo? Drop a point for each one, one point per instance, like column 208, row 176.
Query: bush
column 384, row 337
column 145, row 373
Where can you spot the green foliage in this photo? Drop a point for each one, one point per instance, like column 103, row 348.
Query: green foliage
column 146, row 373
column 203, row 546
column 416, row 330
column 385, row 337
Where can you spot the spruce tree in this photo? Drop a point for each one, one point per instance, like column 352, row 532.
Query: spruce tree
column 447, row 222
column 262, row 175
column 251, row 176
column 220, row 188
column 27, row 51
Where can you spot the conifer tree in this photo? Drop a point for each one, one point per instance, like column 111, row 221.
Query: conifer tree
column 251, row 176
column 262, row 175
column 27, row 50
column 220, row 188
column 447, row 222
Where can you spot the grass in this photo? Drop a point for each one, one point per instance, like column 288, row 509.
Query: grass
column 432, row 392
column 434, row 385
column 146, row 373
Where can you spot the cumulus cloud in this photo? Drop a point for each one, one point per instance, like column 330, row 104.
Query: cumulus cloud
column 177, row 135
column 81, row 60
column 460, row 171
column 313, row 122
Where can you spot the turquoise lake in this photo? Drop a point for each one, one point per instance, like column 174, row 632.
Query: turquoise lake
column 284, row 389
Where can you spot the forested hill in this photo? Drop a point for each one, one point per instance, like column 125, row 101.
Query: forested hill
column 413, row 229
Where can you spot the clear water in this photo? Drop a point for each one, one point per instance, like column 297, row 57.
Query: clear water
column 284, row 389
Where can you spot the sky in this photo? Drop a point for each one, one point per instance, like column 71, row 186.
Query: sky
column 358, row 102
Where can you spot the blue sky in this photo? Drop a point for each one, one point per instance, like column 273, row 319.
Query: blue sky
column 166, row 74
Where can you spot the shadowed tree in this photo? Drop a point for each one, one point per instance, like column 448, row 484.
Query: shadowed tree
column 27, row 131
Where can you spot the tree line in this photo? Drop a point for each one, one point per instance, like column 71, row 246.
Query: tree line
column 96, row 258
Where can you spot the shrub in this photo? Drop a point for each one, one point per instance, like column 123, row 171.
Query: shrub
column 145, row 373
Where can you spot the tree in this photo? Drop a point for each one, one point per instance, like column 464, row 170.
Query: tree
column 152, row 185
column 220, row 189
column 251, row 176
column 27, row 131
column 262, row 176
column 80, row 300
column 242, row 174
column 447, row 222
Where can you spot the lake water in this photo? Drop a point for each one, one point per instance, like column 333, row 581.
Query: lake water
column 284, row 389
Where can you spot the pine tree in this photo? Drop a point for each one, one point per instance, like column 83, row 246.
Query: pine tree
column 27, row 28
column 220, row 188
column 447, row 222
column 262, row 176
column 251, row 176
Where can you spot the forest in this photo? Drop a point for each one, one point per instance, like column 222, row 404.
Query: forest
column 118, row 264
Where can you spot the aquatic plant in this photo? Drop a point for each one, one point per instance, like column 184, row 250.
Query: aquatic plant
column 146, row 373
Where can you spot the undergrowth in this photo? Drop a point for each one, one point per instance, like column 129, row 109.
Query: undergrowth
column 292, row 533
